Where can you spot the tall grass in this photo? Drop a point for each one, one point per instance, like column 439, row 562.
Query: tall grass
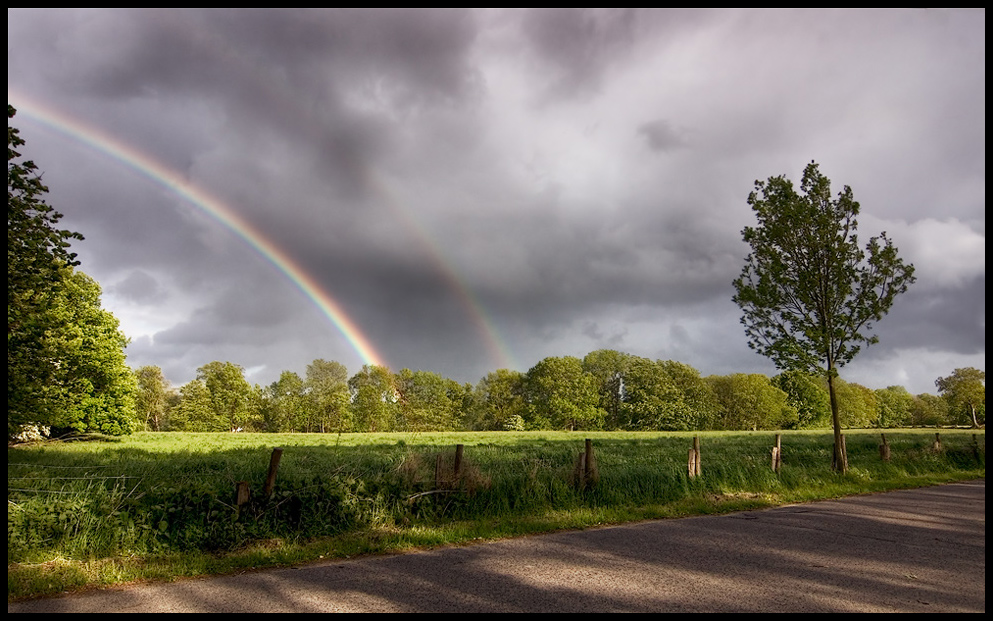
column 163, row 495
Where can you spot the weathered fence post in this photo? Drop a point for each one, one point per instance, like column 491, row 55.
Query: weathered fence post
column 241, row 494
column 270, row 479
column 693, row 468
column 884, row 448
column 585, row 473
column 937, row 443
column 975, row 448
column 777, row 454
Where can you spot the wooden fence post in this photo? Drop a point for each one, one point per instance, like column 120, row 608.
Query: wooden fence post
column 884, row 448
column 937, row 443
column 585, row 473
column 241, row 494
column 270, row 479
column 693, row 468
column 777, row 454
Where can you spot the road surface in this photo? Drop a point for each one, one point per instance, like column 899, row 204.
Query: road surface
column 907, row 551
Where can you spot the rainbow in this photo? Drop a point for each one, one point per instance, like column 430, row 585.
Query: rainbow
column 499, row 350
column 210, row 205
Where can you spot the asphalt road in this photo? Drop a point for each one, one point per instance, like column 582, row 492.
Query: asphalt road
column 908, row 551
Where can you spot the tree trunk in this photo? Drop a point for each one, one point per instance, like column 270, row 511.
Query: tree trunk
column 840, row 460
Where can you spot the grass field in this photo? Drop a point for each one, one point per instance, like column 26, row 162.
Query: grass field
column 165, row 505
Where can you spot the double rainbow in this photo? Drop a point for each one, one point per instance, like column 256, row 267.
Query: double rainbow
column 210, row 205
column 280, row 259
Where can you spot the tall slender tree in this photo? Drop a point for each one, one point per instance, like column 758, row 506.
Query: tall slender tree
column 809, row 292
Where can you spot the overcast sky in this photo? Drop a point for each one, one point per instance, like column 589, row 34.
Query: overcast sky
column 462, row 191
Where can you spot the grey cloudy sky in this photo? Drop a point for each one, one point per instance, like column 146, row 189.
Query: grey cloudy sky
column 481, row 189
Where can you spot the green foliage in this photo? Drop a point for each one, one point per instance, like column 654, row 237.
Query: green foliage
column 751, row 401
column 194, row 412
column 664, row 395
column 498, row 402
column 97, row 386
column 928, row 410
column 858, row 405
column 230, row 393
column 808, row 397
column 152, row 397
column 651, row 399
column 561, row 396
column 895, row 405
column 609, row 368
column 327, row 396
column 374, row 399
column 284, row 407
column 965, row 392
column 65, row 354
column 809, row 292
column 696, row 394
column 427, row 401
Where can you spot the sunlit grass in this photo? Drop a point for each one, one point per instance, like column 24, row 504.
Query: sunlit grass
column 161, row 506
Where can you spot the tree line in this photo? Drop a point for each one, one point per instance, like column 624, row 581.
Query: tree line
column 605, row 390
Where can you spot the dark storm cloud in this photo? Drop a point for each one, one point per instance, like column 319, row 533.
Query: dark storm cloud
column 661, row 136
column 578, row 44
column 138, row 286
column 554, row 180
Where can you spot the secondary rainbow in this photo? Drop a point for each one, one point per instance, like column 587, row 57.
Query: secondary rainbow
column 211, row 206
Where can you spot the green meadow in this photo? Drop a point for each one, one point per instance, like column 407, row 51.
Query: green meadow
column 161, row 506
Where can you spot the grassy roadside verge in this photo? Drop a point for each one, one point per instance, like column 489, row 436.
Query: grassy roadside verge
column 725, row 486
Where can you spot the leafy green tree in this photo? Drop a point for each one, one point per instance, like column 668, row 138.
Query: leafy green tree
column 561, row 396
column 965, row 392
column 809, row 292
column 696, row 394
column 151, row 402
column 807, row 397
column 195, row 411
column 37, row 257
column 609, row 367
column 283, row 406
column 373, row 398
column 651, row 400
column 751, row 401
column 327, row 396
column 97, row 386
column 230, row 393
column 928, row 411
column 427, row 401
column 498, row 402
column 894, row 404
column 858, row 406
